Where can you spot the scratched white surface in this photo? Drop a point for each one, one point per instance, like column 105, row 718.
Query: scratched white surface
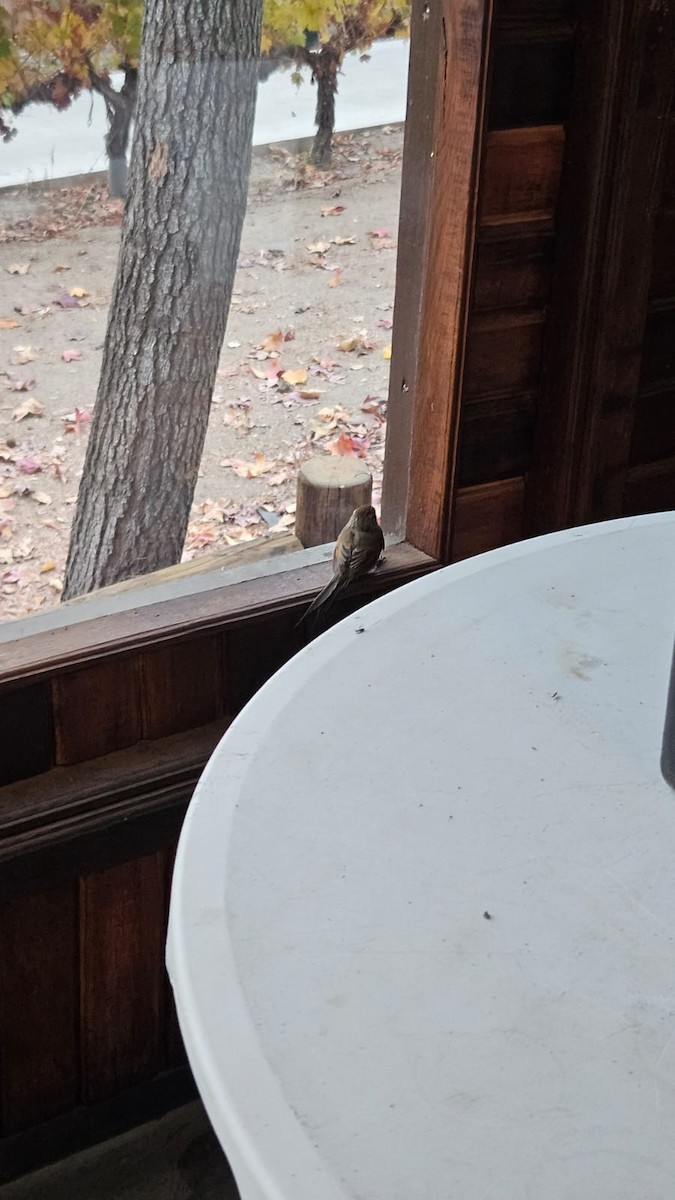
column 488, row 743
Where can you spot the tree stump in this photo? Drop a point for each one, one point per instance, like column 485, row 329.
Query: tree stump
column 328, row 491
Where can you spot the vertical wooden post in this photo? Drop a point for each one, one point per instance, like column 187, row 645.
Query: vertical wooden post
column 328, row 491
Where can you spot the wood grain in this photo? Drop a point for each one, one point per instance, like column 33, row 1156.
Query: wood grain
column 96, row 710
column 121, row 976
column 92, row 815
column 426, row 74
column 521, row 173
column 487, row 516
column 609, row 195
column 60, row 645
column 181, row 686
column 447, row 239
column 503, row 353
column 39, row 1056
column 513, row 266
column 496, row 438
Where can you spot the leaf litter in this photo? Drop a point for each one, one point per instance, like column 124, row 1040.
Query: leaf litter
column 287, row 387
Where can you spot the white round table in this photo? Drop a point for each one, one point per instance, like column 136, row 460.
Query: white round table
column 423, row 909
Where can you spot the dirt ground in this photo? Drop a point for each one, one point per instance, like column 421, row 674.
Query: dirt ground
column 304, row 367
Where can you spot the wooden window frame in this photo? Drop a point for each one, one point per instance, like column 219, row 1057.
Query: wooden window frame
column 447, row 87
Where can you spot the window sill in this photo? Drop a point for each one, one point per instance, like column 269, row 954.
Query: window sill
column 85, row 630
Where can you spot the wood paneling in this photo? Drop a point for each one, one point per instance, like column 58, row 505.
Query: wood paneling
column 532, row 81
column 26, row 736
column 174, row 1049
column 658, row 347
column 39, row 1056
column 663, row 274
column 257, row 650
column 503, row 353
column 513, row 267
column 651, row 488
column 610, row 192
column 93, row 815
column 521, row 174
column 96, row 710
column 122, row 931
column 486, row 517
column 496, row 438
column 181, row 686
column 653, row 428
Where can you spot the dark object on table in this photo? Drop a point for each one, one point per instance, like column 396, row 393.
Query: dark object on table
column 668, row 744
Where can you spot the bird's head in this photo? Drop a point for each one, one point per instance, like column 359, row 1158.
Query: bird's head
column 364, row 518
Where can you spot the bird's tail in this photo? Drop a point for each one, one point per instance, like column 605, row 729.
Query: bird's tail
column 324, row 599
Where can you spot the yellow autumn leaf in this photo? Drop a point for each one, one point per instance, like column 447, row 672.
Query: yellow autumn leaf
column 386, row 351
column 78, row 292
column 294, row 377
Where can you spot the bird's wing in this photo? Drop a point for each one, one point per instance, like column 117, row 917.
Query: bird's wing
column 354, row 555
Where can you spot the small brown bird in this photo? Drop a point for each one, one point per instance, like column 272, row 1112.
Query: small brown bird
column 357, row 551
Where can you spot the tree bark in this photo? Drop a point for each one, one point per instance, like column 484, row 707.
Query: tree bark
column 180, row 240
column 325, row 66
column 120, row 112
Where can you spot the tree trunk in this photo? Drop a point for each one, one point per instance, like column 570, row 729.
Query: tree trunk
column 180, row 240
column 120, row 116
column 325, row 66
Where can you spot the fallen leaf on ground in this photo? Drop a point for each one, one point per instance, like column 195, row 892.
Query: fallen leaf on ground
column 29, row 465
column 374, row 406
column 359, row 342
column 66, row 301
column 294, row 377
column 72, row 421
column 29, row 408
column 9, row 323
column 385, row 323
column 61, row 267
column 56, row 583
column 386, row 351
column 384, row 244
column 19, row 385
column 22, row 355
column 48, row 566
column 343, row 241
column 318, row 247
column 18, row 268
column 71, row 355
column 332, row 210
column 249, row 470
column 309, row 394
column 42, row 497
column 272, row 343
column 337, row 278
column 379, row 233
column 78, row 292
column 347, row 445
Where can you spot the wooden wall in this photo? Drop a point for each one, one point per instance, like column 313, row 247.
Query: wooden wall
column 102, row 746
column 650, row 481
column 566, row 401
